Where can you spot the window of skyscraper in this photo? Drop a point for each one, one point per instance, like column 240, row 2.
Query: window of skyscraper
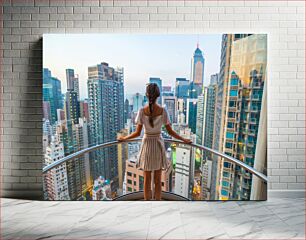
column 234, row 82
column 230, row 135
column 233, row 93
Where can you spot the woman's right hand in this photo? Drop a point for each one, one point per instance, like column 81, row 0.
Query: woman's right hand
column 121, row 138
column 187, row 140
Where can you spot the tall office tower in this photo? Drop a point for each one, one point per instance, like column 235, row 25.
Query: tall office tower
column 158, row 81
column 209, row 133
column 194, row 90
column 72, row 106
column 182, row 86
column 167, row 91
column 127, row 113
column 52, row 94
column 123, row 154
column 55, row 180
column 134, row 177
column 245, row 85
column 192, row 114
column 106, row 114
column 184, row 164
column 70, row 78
column 197, row 69
column 171, row 105
column 137, row 102
column 214, row 79
column 72, row 82
column 206, row 116
column 201, row 116
column 76, row 87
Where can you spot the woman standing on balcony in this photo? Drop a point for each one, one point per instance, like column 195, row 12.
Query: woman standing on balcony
column 152, row 154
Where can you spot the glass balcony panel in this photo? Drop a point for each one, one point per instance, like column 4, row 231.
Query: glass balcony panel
column 108, row 172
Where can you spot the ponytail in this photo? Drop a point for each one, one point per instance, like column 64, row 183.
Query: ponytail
column 152, row 93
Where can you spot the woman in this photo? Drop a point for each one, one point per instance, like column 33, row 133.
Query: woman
column 152, row 154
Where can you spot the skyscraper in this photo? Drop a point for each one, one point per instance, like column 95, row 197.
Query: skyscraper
column 245, row 83
column 192, row 114
column 182, row 88
column 52, row 94
column 126, row 110
column 221, row 100
column 137, row 102
column 158, row 81
column 197, row 68
column 106, row 113
column 205, row 134
column 72, row 82
column 171, row 104
column 72, row 106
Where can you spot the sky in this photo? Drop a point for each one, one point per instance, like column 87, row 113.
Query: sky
column 142, row 56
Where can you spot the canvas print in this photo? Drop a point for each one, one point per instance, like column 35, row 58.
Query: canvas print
column 155, row 117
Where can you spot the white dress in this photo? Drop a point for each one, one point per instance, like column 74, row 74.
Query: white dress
column 152, row 153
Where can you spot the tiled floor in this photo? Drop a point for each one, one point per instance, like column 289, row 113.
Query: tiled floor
column 272, row 219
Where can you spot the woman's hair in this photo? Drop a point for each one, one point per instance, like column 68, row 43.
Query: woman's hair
column 152, row 93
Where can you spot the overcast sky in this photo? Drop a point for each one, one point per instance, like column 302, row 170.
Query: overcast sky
column 142, row 56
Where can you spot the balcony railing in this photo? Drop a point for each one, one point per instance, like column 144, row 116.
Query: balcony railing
column 179, row 183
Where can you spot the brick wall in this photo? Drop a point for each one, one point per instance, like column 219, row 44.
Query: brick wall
column 24, row 22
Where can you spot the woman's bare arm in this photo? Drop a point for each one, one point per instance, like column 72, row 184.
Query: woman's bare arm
column 175, row 135
column 133, row 134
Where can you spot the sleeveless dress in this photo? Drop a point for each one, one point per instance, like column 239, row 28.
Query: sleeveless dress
column 152, row 154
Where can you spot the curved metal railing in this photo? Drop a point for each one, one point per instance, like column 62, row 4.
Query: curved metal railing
column 108, row 144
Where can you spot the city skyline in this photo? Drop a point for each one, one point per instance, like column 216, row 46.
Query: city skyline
column 169, row 56
column 224, row 115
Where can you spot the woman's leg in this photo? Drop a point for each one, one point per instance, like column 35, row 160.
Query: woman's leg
column 147, row 185
column 157, row 183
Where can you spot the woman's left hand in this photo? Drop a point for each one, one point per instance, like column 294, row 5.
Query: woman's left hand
column 121, row 138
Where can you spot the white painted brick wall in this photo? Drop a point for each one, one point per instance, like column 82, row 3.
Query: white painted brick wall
column 24, row 22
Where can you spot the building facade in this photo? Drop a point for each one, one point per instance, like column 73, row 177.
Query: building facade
column 106, row 114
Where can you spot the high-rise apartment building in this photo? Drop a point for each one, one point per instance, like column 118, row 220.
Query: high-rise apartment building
column 243, row 106
column 55, row 180
column 184, row 164
column 106, row 114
